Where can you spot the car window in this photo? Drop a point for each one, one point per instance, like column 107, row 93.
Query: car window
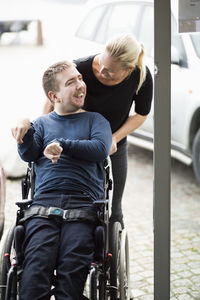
column 89, row 26
column 195, row 37
column 106, row 21
column 123, row 19
column 146, row 35
column 177, row 42
column 102, row 30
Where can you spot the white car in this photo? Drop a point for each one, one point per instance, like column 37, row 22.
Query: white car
column 104, row 19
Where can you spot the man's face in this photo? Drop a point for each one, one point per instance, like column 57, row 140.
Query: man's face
column 72, row 90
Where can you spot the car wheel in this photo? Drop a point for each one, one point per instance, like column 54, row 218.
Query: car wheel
column 196, row 156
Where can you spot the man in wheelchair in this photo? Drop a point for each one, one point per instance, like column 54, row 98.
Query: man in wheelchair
column 67, row 147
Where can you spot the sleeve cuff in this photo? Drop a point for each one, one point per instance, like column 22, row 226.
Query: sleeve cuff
column 62, row 143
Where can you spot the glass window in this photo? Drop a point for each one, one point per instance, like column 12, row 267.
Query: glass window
column 146, row 36
column 105, row 21
column 195, row 37
column 87, row 29
column 123, row 18
column 101, row 34
column 177, row 42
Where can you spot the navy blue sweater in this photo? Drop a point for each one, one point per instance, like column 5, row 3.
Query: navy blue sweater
column 86, row 139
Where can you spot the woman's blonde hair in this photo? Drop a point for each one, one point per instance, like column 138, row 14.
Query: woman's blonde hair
column 129, row 52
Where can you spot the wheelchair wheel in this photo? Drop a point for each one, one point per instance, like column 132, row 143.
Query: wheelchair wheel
column 97, row 285
column 5, row 261
column 124, row 275
column 115, row 241
column 93, row 284
column 1, row 226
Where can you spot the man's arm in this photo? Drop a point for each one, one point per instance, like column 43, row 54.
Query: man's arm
column 96, row 148
column 53, row 152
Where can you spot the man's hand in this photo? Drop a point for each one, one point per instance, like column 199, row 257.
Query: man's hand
column 113, row 148
column 20, row 130
column 53, row 152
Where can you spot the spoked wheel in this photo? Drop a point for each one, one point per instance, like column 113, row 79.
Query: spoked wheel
column 124, row 275
column 115, row 241
column 102, row 288
column 97, row 285
column 5, row 259
column 93, row 284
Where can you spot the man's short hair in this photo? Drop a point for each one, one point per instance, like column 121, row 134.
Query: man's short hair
column 49, row 80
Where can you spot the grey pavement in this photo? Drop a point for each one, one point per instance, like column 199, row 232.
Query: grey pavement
column 138, row 214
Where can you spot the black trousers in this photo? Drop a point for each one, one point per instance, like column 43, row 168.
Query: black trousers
column 66, row 247
column 119, row 170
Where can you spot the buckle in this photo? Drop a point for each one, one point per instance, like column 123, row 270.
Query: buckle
column 64, row 214
column 55, row 212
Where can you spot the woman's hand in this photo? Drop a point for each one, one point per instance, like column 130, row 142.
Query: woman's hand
column 113, row 148
column 19, row 131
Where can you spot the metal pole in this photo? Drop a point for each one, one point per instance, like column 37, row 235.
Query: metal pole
column 162, row 134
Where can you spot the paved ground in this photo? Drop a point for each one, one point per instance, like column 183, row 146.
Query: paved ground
column 185, row 244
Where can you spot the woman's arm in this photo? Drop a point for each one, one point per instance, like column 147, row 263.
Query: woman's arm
column 132, row 123
column 48, row 107
column 142, row 108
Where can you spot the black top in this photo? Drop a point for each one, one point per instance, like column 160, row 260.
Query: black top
column 114, row 102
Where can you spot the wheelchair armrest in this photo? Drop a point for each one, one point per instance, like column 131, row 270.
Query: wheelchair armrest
column 23, row 203
column 99, row 203
column 19, row 238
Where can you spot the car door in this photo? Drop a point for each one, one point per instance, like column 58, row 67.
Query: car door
column 146, row 37
column 180, row 91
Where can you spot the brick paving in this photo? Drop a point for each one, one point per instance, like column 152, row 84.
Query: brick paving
column 138, row 211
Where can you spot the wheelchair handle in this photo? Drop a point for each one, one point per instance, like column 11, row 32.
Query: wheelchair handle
column 23, row 203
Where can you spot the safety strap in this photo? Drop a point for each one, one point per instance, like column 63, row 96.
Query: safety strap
column 68, row 215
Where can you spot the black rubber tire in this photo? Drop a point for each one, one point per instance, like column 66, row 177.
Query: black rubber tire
column 93, row 284
column 97, row 285
column 102, row 288
column 114, row 242
column 7, row 242
column 1, row 227
column 124, row 273
column 196, row 156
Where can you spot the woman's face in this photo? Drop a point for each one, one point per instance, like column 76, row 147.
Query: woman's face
column 111, row 69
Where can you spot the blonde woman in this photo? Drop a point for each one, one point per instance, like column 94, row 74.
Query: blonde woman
column 115, row 79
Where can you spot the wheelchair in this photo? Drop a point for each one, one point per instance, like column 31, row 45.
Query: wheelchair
column 108, row 275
